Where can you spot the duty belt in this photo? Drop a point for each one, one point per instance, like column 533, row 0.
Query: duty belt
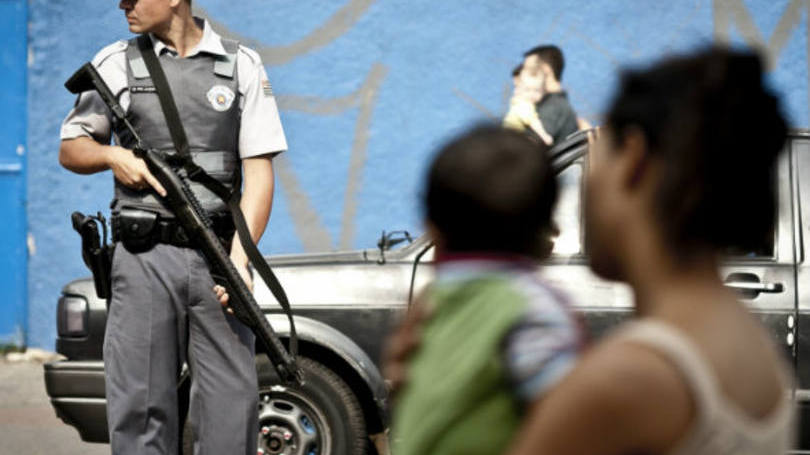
column 148, row 228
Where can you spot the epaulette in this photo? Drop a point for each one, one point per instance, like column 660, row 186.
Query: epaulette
column 251, row 54
column 108, row 51
column 225, row 65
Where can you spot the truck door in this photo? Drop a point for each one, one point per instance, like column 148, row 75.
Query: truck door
column 766, row 276
column 800, row 160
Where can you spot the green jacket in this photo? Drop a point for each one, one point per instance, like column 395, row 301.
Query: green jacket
column 458, row 399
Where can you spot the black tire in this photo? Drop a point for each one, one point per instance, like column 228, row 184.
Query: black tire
column 330, row 419
column 333, row 404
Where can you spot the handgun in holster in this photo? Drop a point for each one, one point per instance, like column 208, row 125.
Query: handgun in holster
column 96, row 252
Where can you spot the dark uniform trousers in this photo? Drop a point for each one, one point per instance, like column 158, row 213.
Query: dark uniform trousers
column 164, row 312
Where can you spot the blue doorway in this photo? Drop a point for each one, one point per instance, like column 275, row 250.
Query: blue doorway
column 13, row 225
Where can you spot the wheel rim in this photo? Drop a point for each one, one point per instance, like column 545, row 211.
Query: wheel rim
column 290, row 424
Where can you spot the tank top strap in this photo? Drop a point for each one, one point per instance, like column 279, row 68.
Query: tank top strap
column 684, row 355
column 720, row 427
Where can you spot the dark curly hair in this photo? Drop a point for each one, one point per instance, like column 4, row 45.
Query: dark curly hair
column 718, row 131
column 491, row 189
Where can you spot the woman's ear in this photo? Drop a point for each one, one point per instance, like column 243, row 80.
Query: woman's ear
column 634, row 162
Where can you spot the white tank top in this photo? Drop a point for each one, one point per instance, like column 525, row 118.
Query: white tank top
column 720, row 427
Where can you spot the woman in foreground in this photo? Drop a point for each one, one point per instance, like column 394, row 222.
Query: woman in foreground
column 682, row 174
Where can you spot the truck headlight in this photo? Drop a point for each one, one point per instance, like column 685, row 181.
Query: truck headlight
column 71, row 319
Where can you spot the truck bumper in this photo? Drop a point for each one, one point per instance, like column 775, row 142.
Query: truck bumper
column 76, row 389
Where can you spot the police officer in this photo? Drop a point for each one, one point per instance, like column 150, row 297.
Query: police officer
column 165, row 309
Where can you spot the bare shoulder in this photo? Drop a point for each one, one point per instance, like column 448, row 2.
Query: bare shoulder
column 622, row 395
column 637, row 375
column 655, row 398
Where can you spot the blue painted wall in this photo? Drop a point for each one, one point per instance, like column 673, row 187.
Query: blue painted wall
column 13, row 266
column 368, row 90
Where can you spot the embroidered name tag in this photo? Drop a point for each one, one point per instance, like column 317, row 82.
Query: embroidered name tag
column 142, row 89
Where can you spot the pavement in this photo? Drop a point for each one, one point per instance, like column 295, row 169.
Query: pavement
column 28, row 423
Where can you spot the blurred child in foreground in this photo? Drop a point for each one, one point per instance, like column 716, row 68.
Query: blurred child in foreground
column 497, row 339
column 683, row 172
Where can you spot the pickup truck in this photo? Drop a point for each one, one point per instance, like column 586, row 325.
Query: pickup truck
column 346, row 303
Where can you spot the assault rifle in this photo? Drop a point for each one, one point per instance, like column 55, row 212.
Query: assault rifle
column 198, row 226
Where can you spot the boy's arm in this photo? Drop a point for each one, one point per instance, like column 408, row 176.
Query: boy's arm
column 539, row 351
column 404, row 341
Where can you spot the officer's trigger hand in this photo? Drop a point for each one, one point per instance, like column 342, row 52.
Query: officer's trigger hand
column 131, row 170
column 153, row 182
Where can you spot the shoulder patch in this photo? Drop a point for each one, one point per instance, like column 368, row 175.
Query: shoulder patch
column 108, row 51
column 251, row 54
column 267, row 89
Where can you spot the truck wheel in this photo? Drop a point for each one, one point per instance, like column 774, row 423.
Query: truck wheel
column 322, row 417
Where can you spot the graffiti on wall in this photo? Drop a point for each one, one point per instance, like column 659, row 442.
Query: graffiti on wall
column 308, row 225
column 312, row 230
column 369, row 89
column 734, row 14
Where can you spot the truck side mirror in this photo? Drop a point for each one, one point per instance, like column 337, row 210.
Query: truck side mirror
column 389, row 240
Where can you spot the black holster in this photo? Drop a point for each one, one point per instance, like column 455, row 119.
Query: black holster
column 97, row 254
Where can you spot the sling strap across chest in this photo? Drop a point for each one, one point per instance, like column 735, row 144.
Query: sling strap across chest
column 231, row 196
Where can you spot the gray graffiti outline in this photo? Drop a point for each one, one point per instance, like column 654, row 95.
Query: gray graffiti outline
column 467, row 98
column 309, row 227
column 678, row 29
column 727, row 12
column 364, row 98
column 334, row 27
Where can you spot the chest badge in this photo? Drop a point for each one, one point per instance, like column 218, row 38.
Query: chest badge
column 220, row 97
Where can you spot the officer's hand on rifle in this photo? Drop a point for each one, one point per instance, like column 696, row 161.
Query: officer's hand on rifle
column 222, row 295
column 131, row 170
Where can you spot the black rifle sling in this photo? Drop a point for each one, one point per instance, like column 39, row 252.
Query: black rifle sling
column 197, row 174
